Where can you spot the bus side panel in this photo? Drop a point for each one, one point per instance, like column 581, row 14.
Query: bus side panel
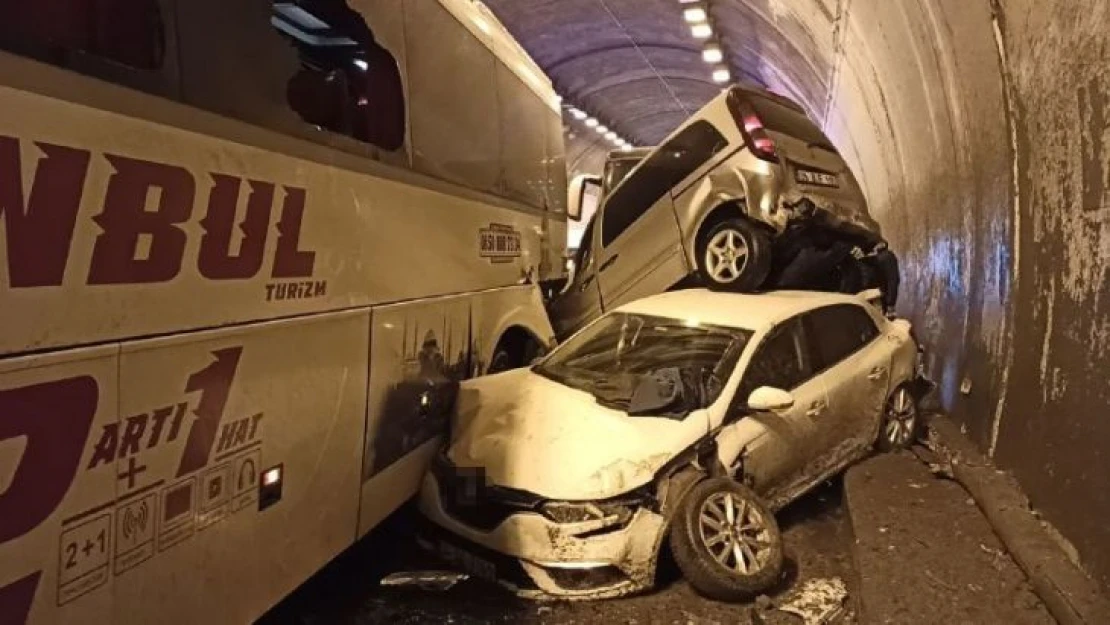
column 496, row 311
column 56, row 534
column 214, row 543
column 419, row 353
column 415, row 243
column 136, row 223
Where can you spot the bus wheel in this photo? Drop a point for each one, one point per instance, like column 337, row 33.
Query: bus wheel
column 501, row 361
column 515, row 349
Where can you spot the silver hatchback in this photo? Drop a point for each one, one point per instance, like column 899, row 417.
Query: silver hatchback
column 709, row 204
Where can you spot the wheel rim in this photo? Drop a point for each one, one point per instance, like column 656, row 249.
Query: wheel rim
column 735, row 533
column 499, row 363
column 726, row 256
column 901, row 417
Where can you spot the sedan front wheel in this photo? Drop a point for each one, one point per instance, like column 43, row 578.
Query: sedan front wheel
column 726, row 541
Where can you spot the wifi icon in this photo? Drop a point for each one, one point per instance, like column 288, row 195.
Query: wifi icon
column 134, row 519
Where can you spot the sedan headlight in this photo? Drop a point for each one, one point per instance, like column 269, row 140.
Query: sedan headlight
column 603, row 514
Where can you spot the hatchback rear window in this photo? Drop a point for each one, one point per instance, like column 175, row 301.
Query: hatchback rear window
column 781, row 118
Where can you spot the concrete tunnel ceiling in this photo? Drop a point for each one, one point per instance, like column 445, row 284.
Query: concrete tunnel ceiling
column 980, row 131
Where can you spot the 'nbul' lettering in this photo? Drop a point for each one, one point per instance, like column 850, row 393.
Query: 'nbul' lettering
column 145, row 205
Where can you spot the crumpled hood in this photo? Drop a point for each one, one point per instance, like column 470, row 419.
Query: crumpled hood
column 534, row 434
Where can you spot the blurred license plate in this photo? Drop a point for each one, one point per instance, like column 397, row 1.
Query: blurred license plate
column 806, row 176
column 468, row 562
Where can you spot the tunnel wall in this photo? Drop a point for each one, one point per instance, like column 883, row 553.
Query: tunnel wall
column 981, row 133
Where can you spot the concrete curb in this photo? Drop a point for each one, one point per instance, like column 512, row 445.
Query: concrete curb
column 1070, row 596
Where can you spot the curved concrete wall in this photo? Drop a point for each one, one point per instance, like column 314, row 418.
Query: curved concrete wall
column 981, row 133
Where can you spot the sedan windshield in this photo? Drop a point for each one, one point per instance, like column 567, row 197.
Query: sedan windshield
column 644, row 364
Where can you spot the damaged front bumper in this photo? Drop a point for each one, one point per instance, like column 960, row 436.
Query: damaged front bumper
column 537, row 557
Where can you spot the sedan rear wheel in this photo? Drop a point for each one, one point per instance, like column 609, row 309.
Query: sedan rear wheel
column 726, row 541
column 900, row 420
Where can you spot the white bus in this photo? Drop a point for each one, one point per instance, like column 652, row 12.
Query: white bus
column 246, row 251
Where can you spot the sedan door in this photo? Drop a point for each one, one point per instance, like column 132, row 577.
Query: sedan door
column 855, row 362
column 776, row 445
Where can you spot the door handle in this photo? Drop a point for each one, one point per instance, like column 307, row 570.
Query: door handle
column 586, row 282
column 816, row 408
column 608, row 263
column 876, row 374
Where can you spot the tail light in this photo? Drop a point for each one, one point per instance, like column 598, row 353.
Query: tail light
column 751, row 126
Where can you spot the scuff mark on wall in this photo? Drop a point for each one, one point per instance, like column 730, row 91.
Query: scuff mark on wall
column 1046, row 344
column 1009, row 98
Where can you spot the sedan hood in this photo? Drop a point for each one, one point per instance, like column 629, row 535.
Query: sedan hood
column 533, row 434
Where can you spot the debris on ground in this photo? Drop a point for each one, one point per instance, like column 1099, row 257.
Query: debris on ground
column 817, row 601
column 426, row 580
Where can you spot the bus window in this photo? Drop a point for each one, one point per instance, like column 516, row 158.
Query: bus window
column 347, row 83
column 128, row 32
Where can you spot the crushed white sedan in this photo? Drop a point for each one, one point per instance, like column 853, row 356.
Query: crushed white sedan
column 681, row 421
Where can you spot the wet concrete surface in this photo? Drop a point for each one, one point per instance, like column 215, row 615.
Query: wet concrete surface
column 929, row 554
column 347, row 592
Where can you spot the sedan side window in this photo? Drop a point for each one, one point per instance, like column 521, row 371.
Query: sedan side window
column 838, row 332
column 782, row 361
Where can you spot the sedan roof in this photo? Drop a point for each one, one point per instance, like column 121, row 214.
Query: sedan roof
column 751, row 311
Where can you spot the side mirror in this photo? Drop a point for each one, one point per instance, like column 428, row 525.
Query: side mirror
column 769, row 399
column 583, row 196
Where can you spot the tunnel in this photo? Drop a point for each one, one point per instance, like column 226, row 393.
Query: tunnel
column 979, row 131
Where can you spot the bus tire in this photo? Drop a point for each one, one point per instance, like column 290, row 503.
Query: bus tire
column 515, row 349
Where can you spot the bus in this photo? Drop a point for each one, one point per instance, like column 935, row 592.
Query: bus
column 247, row 251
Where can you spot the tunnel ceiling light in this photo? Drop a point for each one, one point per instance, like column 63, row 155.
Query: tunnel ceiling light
column 610, row 135
column 701, row 31
column 601, row 130
column 695, row 14
column 577, row 114
column 591, row 122
column 712, row 53
column 626, row 147
column 721, row 75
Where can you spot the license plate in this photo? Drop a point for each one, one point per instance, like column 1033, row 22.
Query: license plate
column 468, row 562
column 815, row 177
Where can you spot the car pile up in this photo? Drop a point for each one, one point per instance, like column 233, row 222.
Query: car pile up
column 747, row 195
column 680, row 422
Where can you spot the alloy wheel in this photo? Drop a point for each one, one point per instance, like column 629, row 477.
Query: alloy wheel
column 726, row 256
column 901, row 418
column 735, row 533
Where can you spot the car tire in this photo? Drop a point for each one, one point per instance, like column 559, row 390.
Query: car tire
column 901, row 420
column 740, row 258
column 513, row 351
column 700, row 541
column 502, row 361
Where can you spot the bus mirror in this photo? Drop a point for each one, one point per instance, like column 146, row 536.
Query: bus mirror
column 584, row 195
